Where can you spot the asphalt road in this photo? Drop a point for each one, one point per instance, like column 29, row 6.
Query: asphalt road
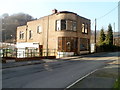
column 56, row 74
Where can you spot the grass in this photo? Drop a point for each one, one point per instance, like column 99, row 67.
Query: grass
column 117, row 84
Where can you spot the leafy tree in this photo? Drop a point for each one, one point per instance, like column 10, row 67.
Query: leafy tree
column 109, row 37
column 102, row 37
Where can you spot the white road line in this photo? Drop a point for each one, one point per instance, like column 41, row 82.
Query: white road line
column 80, row 79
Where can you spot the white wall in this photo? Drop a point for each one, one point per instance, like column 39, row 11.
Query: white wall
column 21, row 48
column 64, row 54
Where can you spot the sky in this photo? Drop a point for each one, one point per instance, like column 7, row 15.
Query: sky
column 90, row 9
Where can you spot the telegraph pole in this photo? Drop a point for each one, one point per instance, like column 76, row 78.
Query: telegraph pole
column 114, row 34
column 95, row 30
column 95, row 34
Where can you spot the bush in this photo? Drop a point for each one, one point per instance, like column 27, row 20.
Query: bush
column 107, row 48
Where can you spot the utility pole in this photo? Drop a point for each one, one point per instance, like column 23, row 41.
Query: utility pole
column 95, row 34
column 114, row 33
column 95, row 30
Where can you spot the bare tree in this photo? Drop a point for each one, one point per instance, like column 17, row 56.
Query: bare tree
column 10, row 24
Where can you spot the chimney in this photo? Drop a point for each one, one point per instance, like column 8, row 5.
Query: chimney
column 54, row 11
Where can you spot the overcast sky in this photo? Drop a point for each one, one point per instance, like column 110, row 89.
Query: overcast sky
column 91, row 10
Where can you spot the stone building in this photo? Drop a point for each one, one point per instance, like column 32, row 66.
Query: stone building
column 116, row 40
column 64, row 31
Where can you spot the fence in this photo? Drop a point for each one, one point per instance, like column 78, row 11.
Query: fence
column 28, row 53
column 22, row 52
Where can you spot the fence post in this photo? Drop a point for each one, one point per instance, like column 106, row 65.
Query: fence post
column 54, row 52
column 23, row 54
column 6, row 52
column 31, row 53
column 16, row 53
column 59, row 54
column 3, row 53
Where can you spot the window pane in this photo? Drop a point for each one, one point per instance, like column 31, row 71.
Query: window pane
column 22, row 35
column 58, row 25
column 59, row 44
column 30, row 34
column 74, row 26
column 69, row 25
column 39, row 29
column 83, row 44
column 63, row 24
column 83, row 27
column 86, row 28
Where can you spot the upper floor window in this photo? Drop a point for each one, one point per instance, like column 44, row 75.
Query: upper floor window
column 69, row 25
column 21, row 35
column 39, row 29
column 84, row 28
column 30, row 34
column 66, row 25
column 63, row 24
column 74, row 26
column 58, row 25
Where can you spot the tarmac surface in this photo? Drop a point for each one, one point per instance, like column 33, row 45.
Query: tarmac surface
column 59, row 73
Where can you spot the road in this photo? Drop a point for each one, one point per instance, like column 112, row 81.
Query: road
column 55, row 74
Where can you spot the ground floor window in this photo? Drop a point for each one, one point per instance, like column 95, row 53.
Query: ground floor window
column 84, row 44
column 67, row 44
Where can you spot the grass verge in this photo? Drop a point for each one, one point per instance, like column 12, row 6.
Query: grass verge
column 117, row 84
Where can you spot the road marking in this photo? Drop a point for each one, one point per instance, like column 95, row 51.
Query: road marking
column 80, row 79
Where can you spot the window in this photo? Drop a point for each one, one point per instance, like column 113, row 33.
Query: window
column 84, row 44
column 74, row 26
column 85, row 28
column 65, row 25
column 58, row 26
column 67, row 44
column 69, row 25
column 39, row 29
column 60, row 44
column 30, row 34
column 21, row 36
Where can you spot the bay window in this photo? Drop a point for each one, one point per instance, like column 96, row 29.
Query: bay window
column 66, row 25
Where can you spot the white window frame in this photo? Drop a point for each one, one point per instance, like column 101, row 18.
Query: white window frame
column 58, row 25
column 21, row 35
column 39, row 29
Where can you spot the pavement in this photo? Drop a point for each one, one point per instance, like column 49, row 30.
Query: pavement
column 22, row 63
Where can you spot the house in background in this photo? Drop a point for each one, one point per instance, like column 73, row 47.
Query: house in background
column 64, row 31
column 116, row 40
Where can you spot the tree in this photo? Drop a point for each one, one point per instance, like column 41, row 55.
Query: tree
column 10, row 24
column 109, row 37
column 102, row 36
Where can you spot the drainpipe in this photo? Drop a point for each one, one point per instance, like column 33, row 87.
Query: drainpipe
column 26, row 33
column 47, row 35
